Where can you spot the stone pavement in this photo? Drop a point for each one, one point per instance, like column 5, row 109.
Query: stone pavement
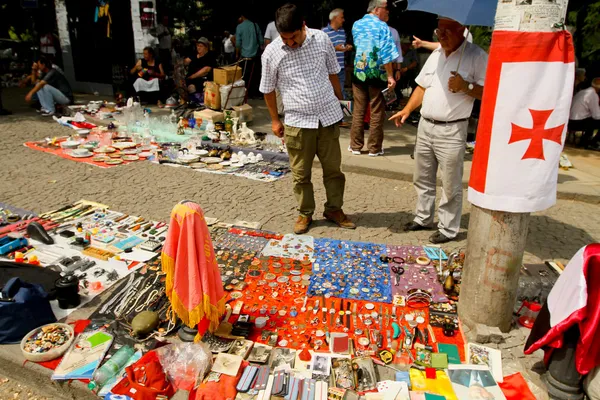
column 378, row 201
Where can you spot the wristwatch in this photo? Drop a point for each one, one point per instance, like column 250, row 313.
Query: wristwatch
column 471, row 86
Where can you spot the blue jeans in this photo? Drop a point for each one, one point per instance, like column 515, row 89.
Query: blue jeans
column 342, row 78
column 49, row 96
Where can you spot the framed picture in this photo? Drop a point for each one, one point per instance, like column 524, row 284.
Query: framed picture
column 241, row 348
column 364, row 374
column 260, row 353
column 282, row 358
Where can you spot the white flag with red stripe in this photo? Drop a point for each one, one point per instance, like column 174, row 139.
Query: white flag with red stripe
column 523, row 121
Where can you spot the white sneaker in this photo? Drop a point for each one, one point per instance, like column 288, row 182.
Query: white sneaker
column 355, row 152
column 47, row 113
column 376, row 154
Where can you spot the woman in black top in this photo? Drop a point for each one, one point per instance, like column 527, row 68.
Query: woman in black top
column 150, row 72
column 200, row 67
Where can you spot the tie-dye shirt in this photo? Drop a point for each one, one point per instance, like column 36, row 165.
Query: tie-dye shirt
column 374, row 48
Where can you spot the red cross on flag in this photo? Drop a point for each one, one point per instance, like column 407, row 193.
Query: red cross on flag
column 523, row 122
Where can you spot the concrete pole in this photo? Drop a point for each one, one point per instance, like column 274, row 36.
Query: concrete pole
column 495, row 247
column 496, row 240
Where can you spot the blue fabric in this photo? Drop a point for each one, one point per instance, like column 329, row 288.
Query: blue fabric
column 467, row 12
column 374, row 48
column 337, row 37
column 49, row 96
column 248, row 38
column 350, row 270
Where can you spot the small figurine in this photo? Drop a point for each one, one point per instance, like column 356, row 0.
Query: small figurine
column 181, row 127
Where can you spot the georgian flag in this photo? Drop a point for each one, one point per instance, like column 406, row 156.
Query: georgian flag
column 573, row 301
column 523, row 121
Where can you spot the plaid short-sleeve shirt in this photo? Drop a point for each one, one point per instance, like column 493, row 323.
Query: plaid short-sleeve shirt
column 302, row 77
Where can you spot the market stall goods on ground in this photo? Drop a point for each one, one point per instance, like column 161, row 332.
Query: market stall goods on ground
column 306, row 317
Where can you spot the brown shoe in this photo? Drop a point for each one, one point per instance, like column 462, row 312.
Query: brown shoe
column 302, row 224
column 340, row 219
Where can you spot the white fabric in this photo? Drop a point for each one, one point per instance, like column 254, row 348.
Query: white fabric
column 396, row 37
column 525, row 86
column 232, row 96
column 586, row 104
column 439, row 103
column 142, row 85
column 569, row 293
column 302, row 77
column 271, row 32
column 229, row 47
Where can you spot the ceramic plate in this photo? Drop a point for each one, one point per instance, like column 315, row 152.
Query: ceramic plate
column 225, row 163
column 188, row 158
column 198, row 165
column 70, row 144
column 145, row 154
column 130, row 158
column 200, row 152
column 215, row 167
column 123, row 145
column 114, row 161
column 81, row 154
column 130, row 151
column 105, row 149
column 116, row 154
column 211, row 160
column 100, row 159
column 237, row 164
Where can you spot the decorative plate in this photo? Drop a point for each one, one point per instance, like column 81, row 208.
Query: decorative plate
column 188, row 158
column 123, row 145
column 145, row 154
column 211, row 160
column 105, row 149
column 215, row 167
column 130, row 151
column 198, row 165
column 130, row 158
column 201, row 152
column 114, row 161
column 116, row 154
column 70, row 144
column 100, row 158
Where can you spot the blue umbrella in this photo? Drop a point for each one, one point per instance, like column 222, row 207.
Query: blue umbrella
column 467, row 12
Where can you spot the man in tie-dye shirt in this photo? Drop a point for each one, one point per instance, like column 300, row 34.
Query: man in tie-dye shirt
column 373, row 72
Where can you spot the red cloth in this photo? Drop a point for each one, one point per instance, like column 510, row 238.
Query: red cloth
column 224, row 389
column 145, row 380
column 573, row 301
column 515, row 387
column 78, row 326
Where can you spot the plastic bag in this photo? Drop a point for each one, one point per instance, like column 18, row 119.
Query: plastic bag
column 185, row 363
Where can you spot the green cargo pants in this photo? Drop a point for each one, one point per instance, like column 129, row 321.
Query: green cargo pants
column 302, row 145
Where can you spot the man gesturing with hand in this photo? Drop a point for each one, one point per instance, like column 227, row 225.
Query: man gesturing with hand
column 447, row 96
column 301, row 64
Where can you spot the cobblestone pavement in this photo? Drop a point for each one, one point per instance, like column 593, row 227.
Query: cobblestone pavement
column 11, row 390
column 40, row 182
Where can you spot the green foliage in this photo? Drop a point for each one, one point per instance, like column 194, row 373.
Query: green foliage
column 482, row 36
column 590, row 32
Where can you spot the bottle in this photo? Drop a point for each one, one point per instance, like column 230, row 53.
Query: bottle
column 228, row 122
column 111, row 367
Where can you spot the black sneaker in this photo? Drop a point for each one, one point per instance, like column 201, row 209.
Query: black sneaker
column 439, row 238
column 412, row 226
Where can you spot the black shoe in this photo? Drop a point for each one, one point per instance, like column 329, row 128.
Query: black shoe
column 413, row 227
column 439, row 237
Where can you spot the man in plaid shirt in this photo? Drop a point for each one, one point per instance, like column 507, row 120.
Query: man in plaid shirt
column 301, row 64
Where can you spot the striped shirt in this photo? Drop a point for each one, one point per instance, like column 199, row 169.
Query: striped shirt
column 337, row 37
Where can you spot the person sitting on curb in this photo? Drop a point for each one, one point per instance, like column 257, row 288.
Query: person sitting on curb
column 52, row 89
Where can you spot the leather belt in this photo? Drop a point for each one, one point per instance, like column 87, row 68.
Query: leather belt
column 433, row 121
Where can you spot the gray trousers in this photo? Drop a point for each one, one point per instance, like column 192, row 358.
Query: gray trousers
column 440, row 146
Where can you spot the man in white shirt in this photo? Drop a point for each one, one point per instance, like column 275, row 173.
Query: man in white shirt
column 301, row 64
column 271, row 33
column 447, row 97
column 585, row 114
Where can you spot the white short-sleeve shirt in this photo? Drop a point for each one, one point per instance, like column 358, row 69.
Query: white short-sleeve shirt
column 585, row 105
column 271, row 32
column 438, row 102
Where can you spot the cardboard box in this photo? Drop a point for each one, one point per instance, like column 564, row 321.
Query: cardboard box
column 209, row 115
column 227, row 75
column 243, row 112
column 212, row 96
